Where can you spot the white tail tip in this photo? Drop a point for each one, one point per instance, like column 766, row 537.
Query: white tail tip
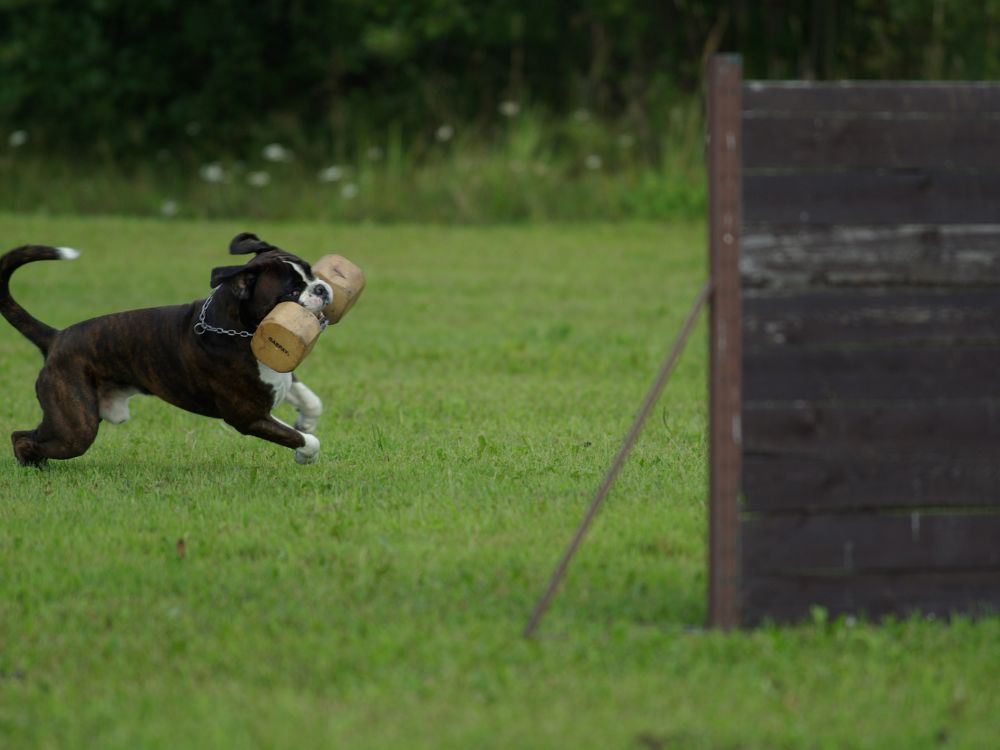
column 68, row 253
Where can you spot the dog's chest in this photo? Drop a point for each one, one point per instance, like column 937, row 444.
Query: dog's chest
column 280, row 382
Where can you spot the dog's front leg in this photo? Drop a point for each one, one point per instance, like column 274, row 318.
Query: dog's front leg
column 306, row 403
column 306, row 446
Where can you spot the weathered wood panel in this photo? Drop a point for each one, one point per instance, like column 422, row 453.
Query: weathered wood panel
column 891, row 97
column 864, row 543
column 866, row 478
column 809, row 141
column 791, row 598
column 903, row 373
column 781, row 257
column 872, row 197
column 871, row 342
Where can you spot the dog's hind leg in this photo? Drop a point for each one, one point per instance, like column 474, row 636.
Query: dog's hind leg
column 69, row 422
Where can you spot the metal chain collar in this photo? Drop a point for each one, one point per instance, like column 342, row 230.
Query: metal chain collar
column 201, row 326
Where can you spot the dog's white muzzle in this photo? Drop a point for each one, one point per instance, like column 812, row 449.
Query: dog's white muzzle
column 316, row 296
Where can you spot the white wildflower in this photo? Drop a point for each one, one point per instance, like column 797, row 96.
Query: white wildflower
column 259, row 179
column 18, row 138
column 593, row 162
column 444, row 133
column 509, row 108
column 169, row 208
column 276, row 152
column 349, row 191
column 212, row 172
column 333, row 173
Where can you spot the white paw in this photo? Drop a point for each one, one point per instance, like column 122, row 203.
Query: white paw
column 308, row 452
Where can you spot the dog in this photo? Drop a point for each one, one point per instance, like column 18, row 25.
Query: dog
column 195, row 356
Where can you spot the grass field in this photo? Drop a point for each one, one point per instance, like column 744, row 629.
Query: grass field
column 473, row 399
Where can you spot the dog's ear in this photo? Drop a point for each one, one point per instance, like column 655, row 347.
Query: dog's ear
column 239, row 279
column 245, row 243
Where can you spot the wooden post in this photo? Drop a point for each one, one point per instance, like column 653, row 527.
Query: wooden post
column 725, row 81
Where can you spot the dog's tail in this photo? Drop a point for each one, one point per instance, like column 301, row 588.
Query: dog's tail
column 35, row 331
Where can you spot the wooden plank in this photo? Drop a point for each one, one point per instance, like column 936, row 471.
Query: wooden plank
column 866, row 543
column 841, row 141
column 903, row 373
column 965, row 427
column 845, row 456
column 838, row 480
column 724, row 87
column 791, row 598
column 780, row 257
column 872, row 197
column 851, row 317
column 891, row 97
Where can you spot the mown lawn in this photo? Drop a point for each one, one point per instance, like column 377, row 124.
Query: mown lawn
column 375, row 599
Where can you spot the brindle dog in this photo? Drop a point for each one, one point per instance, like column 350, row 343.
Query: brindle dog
column 196, row 356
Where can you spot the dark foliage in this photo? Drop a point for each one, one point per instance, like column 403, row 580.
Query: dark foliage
column 120, row 76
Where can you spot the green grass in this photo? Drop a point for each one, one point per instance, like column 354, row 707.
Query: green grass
column 474, row 397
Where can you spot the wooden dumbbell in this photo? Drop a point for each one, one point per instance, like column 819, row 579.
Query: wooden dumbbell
column 286, row 336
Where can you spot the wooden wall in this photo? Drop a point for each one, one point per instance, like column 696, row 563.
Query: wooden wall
column 870, row 279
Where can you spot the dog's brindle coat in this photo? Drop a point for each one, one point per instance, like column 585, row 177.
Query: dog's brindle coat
column 93, row 367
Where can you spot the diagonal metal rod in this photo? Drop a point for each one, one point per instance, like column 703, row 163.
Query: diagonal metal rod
column 647, row 406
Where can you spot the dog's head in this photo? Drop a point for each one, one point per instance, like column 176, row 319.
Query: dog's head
column 272, row 276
